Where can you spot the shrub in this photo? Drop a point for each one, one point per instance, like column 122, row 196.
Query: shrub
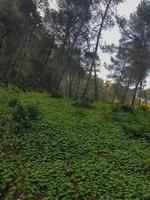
column 56, row 95
column 115, row 108
column 136, row 131
column 144, row 107
column 127, row 108
column 13, row 102
column 33, row 112
column 83, row 103
column 23, row 117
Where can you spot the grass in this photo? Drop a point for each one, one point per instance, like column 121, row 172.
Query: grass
column 73, row 153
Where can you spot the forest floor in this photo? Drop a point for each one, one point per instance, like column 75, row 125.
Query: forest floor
column 51, row 149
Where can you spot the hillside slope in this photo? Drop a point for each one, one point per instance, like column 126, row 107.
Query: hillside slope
column 52, row 150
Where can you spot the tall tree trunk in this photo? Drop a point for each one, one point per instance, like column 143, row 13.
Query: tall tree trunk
column 57, row 81
column 2, row 41
column 66, row 84
column 15, row 59
column 71, row 81
column 95, row 84
column 135, row 92
column 140, row 93
column 70, row 85
column 146, row 100
column 76, row 38
column 60, row 78
column 118, row 83
column 78, row 86
column 127, row 88
column 68, row 53
column 46, row 62
column 26, row 49
column 96, row 49
column 49, row 51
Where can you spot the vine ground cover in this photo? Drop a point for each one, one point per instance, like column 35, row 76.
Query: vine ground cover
column 72, row 153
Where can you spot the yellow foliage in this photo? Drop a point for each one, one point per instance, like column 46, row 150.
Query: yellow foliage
column 143, row 105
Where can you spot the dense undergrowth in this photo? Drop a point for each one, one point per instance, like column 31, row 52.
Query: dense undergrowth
column 53, row 149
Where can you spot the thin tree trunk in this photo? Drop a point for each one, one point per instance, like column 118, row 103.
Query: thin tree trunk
column 127, row 88
column 118, row 83
column 15, row 58
column 78, row 86
column 46, row 62
column 24, row 55
column 66, row 88
column 95, row 83
column 70, row 85
column 56, row 87
column 140, row 93
column 135, row 92
column 71, row 91
column 146, row 100
column 76, row 38
column 49, row 52
column 59, row 81
column 68, row 53
column 96, row 49
column 2, row 41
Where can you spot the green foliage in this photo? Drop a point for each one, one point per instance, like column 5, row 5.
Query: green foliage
column 127, row 108
column 71, row 153
column 134, row 121
column 136, row 130
column 23, row 116
column 83, row 103
column 13, row 102
column 56, row 95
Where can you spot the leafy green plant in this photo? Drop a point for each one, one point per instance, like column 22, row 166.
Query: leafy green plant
column 127, row 108
column 72, row 153
column 115, row 108
column 56, row 95
column 136, row 130
column 23, row 117
column 13, row 102
column 83, row 103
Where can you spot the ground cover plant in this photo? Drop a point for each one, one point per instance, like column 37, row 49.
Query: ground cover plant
column 56, row 150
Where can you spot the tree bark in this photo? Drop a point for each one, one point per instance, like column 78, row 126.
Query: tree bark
column 95, row 83
column 78, row 86
column 56, row 87
column 146, row 100
column 46, row 62
column 135, row 92
column 118, row 83
column 68, row 53
column 15, row 58
column 96, row 49
column 140, row 93
column 70, row 85
column 2, row 41
column 127, row 88
column 66, row 85
column 18, row 74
